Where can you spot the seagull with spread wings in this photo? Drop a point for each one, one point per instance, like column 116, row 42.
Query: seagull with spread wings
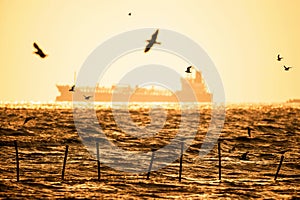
column 152, row 41
column 287, row 68
column 39, row 51
column 27, row 119
column 279, row 58
column 72, row 89
column 87, row 97
column 188, row 69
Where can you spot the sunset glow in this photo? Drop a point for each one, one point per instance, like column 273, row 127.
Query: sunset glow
column 242, row 38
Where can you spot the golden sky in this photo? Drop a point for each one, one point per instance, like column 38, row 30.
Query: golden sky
column 242, row 38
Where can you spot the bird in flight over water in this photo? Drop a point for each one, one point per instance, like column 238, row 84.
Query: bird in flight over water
column 72, row 89
column 188, row 69
column 152, row 41
column 279, row 58
column 87, row 97
column 287, row 68
column 27, row 119
column 283, row 152
column 39, row 51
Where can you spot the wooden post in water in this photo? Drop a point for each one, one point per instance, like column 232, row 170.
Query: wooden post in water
column 219, row 152
column 150, row 166
column 98, row 160
column 65, row 161
column 249, row 131
column 279, row 166
column 180, row 166
column 17, row 161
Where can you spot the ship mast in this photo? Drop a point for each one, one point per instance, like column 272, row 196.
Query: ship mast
column 74, row 77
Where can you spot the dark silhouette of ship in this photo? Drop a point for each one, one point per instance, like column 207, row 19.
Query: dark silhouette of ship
column 293, row 101
column 126, row 93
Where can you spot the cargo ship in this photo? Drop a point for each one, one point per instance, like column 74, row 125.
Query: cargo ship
column 293, row 101
column 126, row 93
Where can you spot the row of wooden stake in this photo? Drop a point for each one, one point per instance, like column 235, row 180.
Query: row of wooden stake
column 150, row 166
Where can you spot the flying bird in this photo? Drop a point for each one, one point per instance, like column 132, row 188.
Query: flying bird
column 152, row 41
column 39, row 51
column 188, row 69
column 72, row 89
column 87, row 97
column 283, row 152
column 244, row 156
column 279, row 58
column 287, row 68
column 28, row 119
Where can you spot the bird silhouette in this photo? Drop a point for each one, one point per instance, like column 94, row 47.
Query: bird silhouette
column 87, row 97
column 28, row 119
column 152, row 41
column 72, row 89
column 287, row 68
column 244, row 156
column 283, row 152
column 129, row 14
column 232, row 150
column 279, row 58
column 188, row 69
column 39, row 51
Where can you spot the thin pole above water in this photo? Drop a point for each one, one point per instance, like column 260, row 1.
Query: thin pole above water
column 65, row 161
column 98, row 160
column 150, row 166
column 17, row 161
column 279, row 166
column 180, row 166
column 220, row 166
column 249, row 131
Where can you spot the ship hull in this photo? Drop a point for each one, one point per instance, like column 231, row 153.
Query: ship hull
column 193, row 90
column 78, row 95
